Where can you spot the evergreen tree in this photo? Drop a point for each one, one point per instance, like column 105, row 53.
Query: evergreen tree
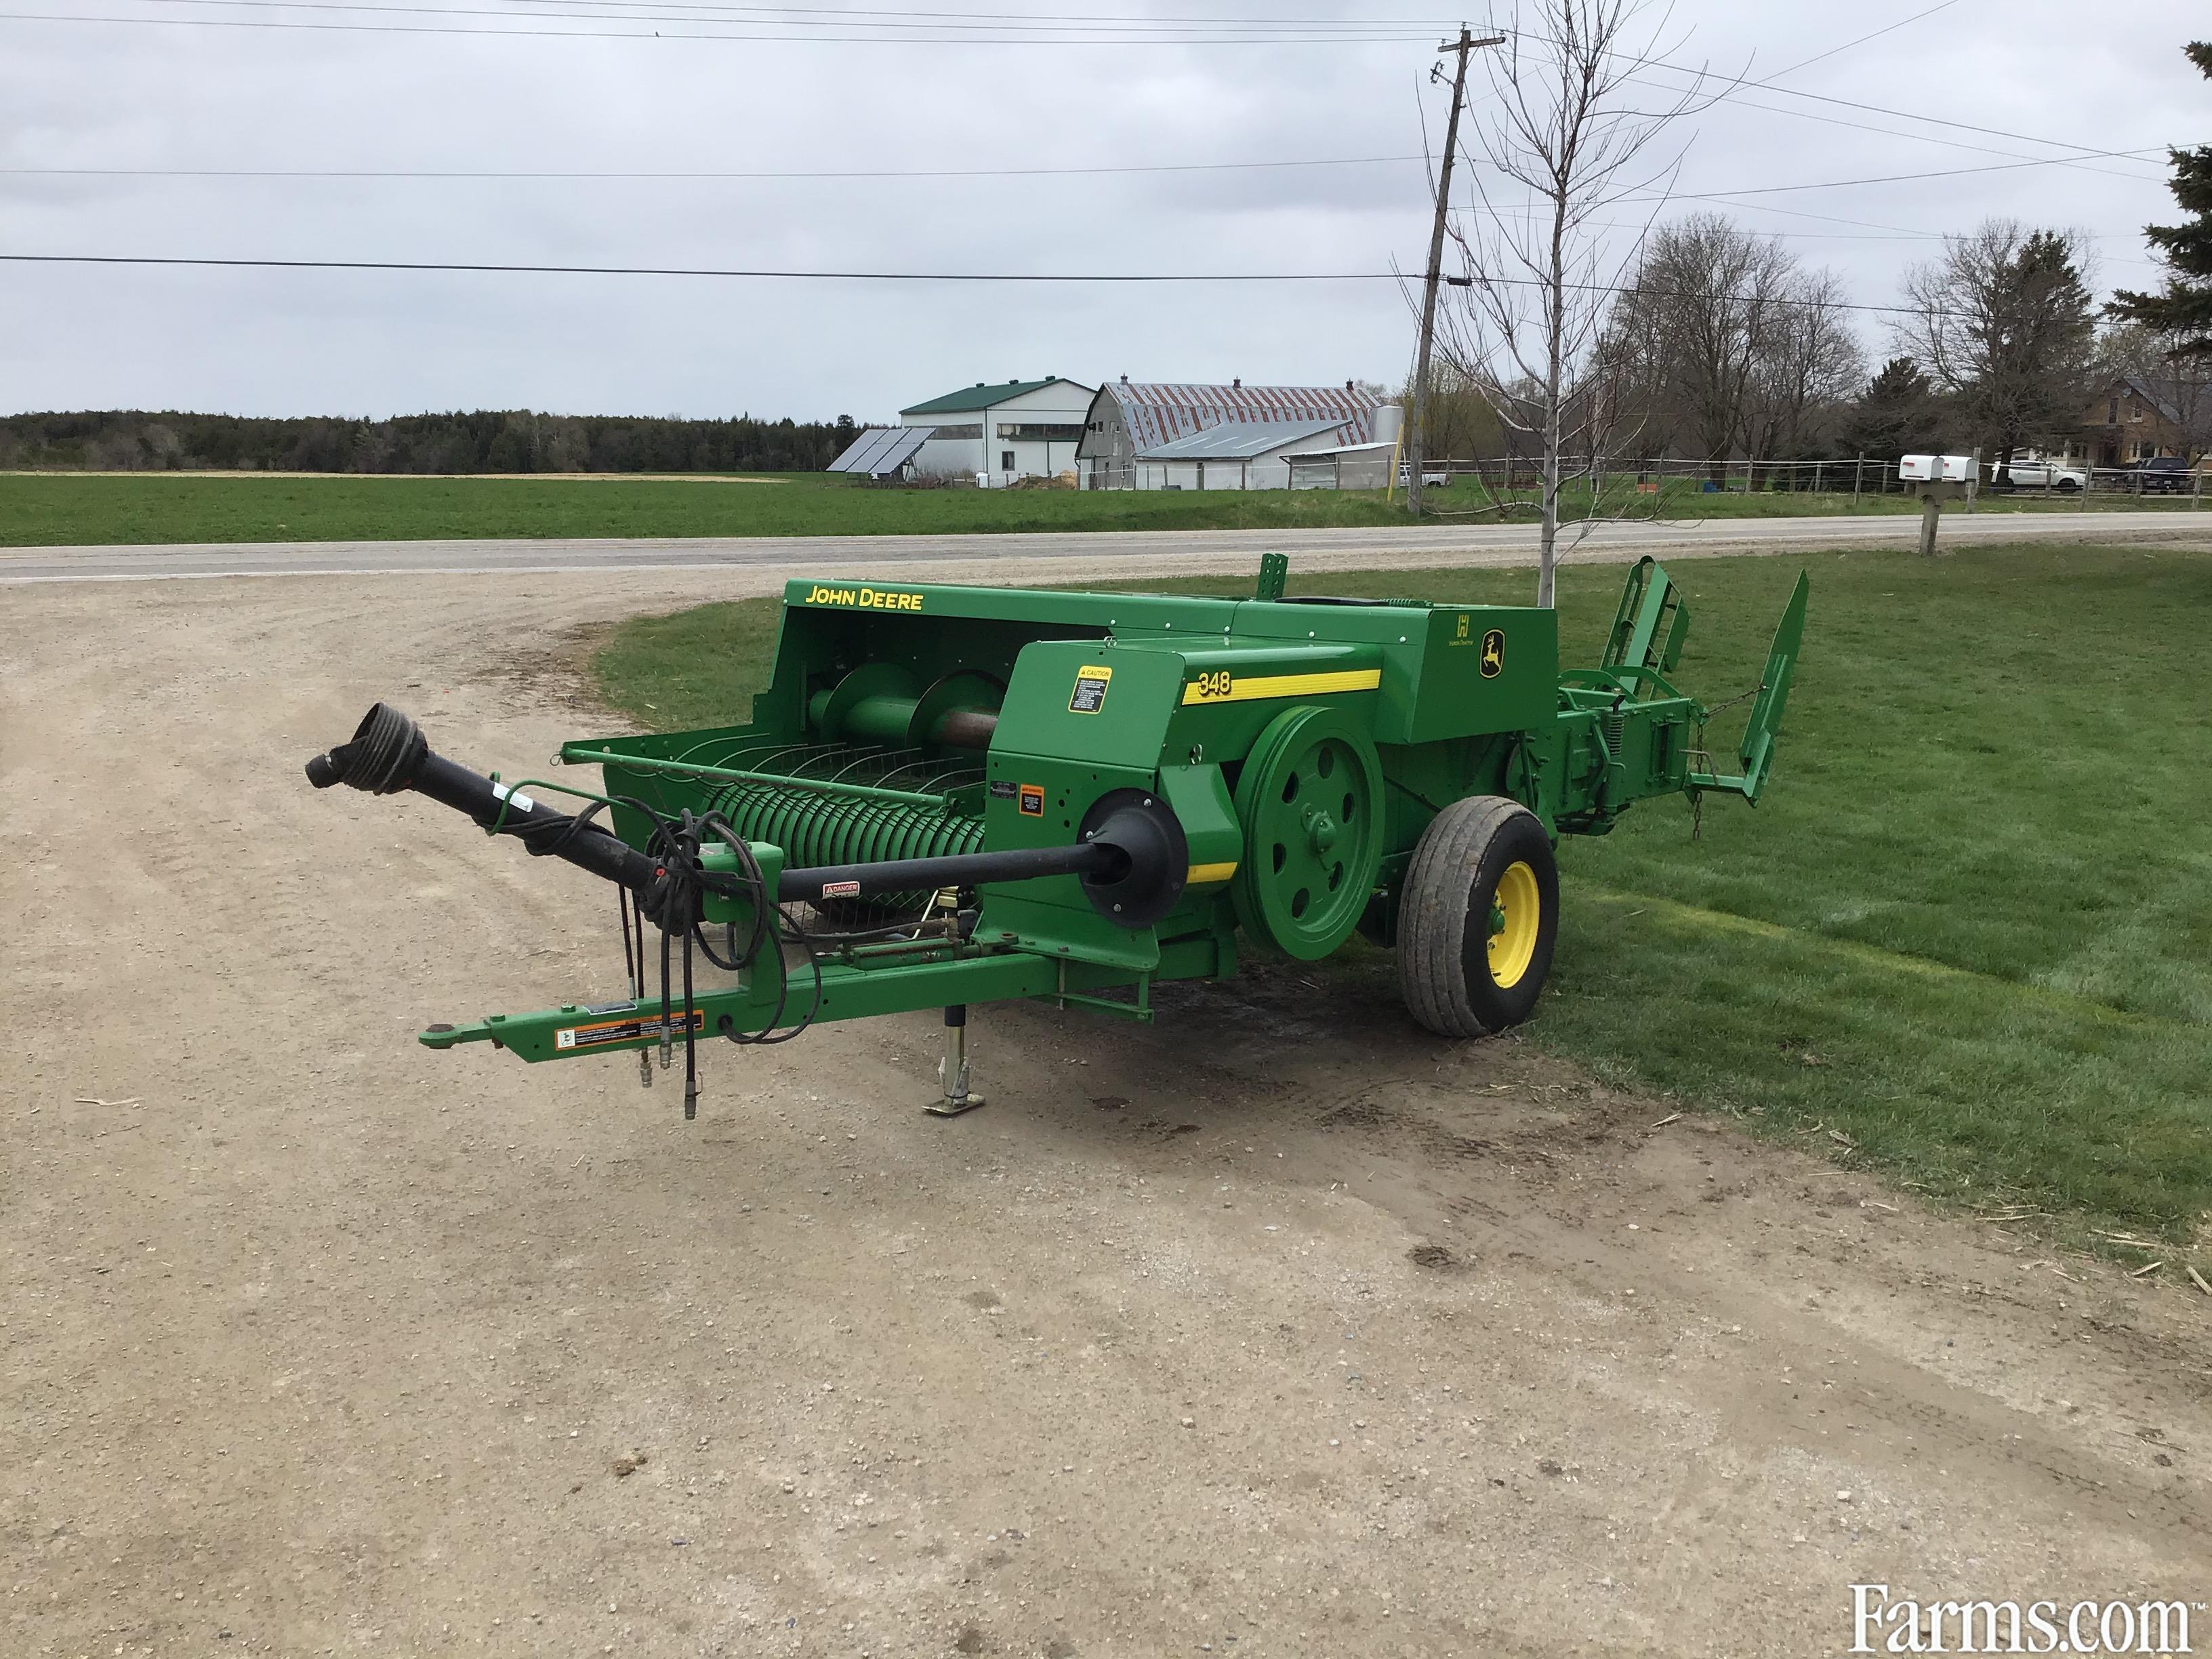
column 2184, row 307
column 1898, row 414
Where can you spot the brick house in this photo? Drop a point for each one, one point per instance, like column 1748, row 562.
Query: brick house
column 2134, row 417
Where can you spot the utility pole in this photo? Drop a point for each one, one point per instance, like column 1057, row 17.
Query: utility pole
column 1415, row 445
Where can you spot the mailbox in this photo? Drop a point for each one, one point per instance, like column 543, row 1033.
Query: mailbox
column 1936, row 469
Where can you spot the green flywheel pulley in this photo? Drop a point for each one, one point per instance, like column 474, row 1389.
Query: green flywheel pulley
column 1310, row 800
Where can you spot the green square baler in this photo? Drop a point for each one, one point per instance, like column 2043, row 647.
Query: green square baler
column 956, row 795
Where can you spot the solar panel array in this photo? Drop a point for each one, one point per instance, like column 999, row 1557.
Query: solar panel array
column 882, row 449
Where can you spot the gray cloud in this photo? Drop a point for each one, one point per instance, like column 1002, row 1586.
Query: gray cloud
column 86, row 94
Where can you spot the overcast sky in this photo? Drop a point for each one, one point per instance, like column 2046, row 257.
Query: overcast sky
column 294, row 92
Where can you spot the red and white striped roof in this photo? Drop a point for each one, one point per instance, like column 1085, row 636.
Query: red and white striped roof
column 1156, row 413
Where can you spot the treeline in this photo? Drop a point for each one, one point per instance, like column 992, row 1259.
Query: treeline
column 1723, row 346
column 480, row 441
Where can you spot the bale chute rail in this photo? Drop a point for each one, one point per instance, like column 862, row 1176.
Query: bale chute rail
column 982, row 793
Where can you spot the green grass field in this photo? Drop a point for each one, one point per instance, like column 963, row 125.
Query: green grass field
column 1969, row 929
column 118, row 508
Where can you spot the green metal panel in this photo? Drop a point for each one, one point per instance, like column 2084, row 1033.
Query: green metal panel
column 1652, row 623
column 1486, row 669
column 1448, row 671
column 1756, row 752
column 971, row 398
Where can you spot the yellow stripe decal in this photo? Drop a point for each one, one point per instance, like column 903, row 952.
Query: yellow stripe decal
column 1228, row 687
column 1206, row 873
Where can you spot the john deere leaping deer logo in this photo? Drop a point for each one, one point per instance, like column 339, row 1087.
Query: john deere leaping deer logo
column 1493, row 653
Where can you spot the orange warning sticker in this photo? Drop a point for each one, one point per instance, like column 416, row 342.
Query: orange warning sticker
column 640, row 1023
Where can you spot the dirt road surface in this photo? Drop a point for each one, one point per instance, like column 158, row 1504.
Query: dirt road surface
column 1278, row 1329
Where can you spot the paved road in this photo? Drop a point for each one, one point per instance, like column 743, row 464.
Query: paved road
column 1490, row 545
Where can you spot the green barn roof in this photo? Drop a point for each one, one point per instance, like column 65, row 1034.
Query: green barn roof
column 978, row 396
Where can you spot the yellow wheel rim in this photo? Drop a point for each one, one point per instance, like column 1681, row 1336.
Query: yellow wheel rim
column 1515, row 914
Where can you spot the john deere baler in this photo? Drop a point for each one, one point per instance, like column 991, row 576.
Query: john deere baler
column 950, row 796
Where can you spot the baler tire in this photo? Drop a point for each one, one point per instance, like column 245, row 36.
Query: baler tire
column 1443, row 917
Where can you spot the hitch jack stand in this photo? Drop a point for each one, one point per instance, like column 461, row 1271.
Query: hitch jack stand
column 952, row 1070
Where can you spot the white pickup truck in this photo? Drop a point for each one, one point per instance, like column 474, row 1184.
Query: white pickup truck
column 2036, row 474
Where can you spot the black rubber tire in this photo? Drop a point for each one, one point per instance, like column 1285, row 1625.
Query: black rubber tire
column 1443, row 917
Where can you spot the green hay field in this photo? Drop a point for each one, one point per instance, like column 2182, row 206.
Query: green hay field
column 136, row 508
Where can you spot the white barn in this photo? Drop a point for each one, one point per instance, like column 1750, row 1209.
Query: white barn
column 999, row 431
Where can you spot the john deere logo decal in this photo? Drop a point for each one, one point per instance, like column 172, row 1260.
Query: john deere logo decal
column 1493, row 653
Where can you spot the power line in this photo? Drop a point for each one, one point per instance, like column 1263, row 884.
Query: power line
column 1887, row 232
column 698, row 270
column 1258, row 39
column 1699, row 74
column 1878, row 109
column 1887, row 28
column 931, row 277
column 657, row 11
column 2074, row 161
column 917, row 173
column 1040, row 23
column 1731, row 198
column 1072, row 29
column 996, row 173
column 1903, row 177
column 832, row 16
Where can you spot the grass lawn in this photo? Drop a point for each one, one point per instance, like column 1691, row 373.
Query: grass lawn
column 102, row 509
column 1970, row 927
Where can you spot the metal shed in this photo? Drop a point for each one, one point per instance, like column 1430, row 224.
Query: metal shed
column 1342, row 467
column 1234, row 455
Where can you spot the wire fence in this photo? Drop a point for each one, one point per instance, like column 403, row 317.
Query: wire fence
column 1857, row 477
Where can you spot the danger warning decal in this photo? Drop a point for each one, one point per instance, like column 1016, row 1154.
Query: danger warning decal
column 639, row 1024
column 1089, row 694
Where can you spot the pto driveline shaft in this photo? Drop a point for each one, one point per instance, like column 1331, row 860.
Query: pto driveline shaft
column 959, row 870
column 389, row 754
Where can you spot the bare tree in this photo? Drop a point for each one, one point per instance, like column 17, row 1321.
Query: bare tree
column 1563, row 140
column 2003, row 322
column 1811, row 365
column 1685, row 339
column 1725, row 346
